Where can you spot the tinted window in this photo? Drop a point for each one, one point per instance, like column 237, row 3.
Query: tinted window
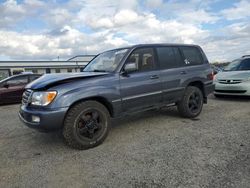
column 238, row 65
column 144, row 59
column 21, row 80
column 233, row 66
column 169, row 57
column 192, row 55
column 58, row 70
column 245, row 65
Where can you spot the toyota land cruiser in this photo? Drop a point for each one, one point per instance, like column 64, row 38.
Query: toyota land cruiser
column 116, row 83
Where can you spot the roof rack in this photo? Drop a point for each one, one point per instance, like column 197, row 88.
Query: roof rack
column 245, row 56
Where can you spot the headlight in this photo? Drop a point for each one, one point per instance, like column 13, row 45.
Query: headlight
column 43, row 98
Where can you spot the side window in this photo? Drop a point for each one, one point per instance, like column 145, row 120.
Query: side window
column 245, row 65
column 144, row 59
column 21, row 80
column 169, row 57
column 192, row 55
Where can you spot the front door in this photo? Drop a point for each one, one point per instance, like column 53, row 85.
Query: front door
column 142, row 88
column 12, row 89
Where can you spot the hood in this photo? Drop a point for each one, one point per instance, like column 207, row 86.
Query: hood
column 236, row 75
column 49, row 80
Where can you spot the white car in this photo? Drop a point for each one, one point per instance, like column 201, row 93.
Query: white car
column 234, row 79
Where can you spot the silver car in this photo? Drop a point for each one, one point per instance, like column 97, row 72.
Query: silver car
column 234, row 79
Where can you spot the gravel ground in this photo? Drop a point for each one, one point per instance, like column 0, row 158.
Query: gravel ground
column 151, row 149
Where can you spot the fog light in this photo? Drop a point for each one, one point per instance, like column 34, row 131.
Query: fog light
column 35, row 119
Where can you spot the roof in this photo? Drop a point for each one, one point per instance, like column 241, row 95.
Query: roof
column 163, row 44
column 153, row 45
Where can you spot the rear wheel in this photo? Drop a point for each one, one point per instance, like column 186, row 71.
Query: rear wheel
column 191, row 103
column 86, row 125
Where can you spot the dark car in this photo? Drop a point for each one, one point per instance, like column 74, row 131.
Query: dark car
column 117, row 83
column 12, row 88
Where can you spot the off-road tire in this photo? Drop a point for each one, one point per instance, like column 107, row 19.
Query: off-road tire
column 69, row 133
column 183, row 105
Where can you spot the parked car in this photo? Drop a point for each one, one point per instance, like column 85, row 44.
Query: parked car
column 235, row 78
column 12, row 88
column 116, row 83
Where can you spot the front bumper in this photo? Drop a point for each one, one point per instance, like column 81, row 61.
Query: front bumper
column 50, row 119
column 241, row 89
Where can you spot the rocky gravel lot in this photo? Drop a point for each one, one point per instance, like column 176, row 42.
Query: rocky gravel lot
column 151, row 149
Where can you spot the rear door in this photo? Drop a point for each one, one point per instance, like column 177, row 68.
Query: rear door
column 142, row 88
column 172, row 71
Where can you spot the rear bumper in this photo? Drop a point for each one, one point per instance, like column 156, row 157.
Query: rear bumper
column 241, row 89
column 50, row 120
column 209, row 88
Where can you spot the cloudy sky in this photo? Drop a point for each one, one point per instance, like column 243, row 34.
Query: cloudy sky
column 44, row 30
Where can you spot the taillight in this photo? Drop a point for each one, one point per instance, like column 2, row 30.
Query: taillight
column 210, row 76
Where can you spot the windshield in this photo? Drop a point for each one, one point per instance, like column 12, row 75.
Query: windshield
column 233, row 66
column 238, row 65
column 106, row 62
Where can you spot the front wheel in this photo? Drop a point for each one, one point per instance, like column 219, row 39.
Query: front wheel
column 191, row 103
column 86, row 125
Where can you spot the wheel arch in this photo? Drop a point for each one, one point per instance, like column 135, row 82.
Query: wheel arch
column 199, row 84
column 99, row 99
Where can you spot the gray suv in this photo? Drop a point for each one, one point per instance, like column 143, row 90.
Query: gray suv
column 116, row 83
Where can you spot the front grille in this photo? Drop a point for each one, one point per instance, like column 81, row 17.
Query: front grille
column 26, row 96
column 230, row 91
column 230, row 81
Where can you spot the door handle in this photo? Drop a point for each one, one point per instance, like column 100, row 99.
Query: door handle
column 154, row 77
column 183, row 72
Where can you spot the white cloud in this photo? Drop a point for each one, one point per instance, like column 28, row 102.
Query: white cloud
column 153, row 4
column 11, row 12
column 240, row 10
column 80, row 26
column 124, row 17
column 58, row 17
column 199, row 17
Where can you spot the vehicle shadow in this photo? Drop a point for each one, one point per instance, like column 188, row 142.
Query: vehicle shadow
column 9, row 104
column 170, row 112
column 53, row 142
column 232, row 98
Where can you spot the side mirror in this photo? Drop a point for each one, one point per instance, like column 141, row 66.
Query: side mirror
column 130, row 67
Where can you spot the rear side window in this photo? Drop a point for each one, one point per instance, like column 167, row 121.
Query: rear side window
column 192, row 56
column 169, row 57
